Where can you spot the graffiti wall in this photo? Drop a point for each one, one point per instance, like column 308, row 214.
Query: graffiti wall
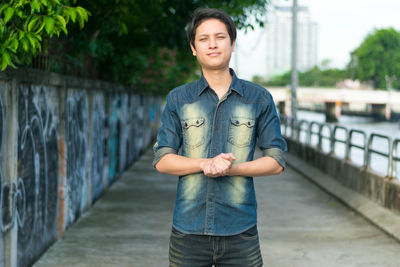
column 5, row 219
column 97, row 145
column 114, row 129
column 36, row 185
column 76, row 138
column 61, row 146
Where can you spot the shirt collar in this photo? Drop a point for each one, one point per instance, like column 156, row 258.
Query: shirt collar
column 235, row 85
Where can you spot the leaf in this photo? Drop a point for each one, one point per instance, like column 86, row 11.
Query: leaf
column 35, row 5
column 80, row 17
column 25, row 44
column 3, row 65
column 6, row 57
column 2, row 27
column 32, row 23
column 3, row 6
column 62, row 21
column 72, row 14
column 31, row 40
column 44, row 2
column 20, row 3
column 8, row 13
column 14, row 45
column 49, row 25
column 21, row 35
column 41, row 27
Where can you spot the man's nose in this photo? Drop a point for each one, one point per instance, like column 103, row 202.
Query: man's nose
column 212, row 42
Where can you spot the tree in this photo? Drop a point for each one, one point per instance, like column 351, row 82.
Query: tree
column 123, row 39
column 377, row 57
column 24, row 24
column 312, row 77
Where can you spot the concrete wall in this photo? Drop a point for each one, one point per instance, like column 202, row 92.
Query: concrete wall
column 63, row 141
column 383, row 191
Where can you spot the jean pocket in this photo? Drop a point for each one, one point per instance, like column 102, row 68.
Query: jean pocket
column 193, row 132
column 250, row 234
column 240, row 131
column 176, row 233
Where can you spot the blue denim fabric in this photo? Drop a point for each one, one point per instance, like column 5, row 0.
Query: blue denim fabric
column 206, row 251
column 199, row 125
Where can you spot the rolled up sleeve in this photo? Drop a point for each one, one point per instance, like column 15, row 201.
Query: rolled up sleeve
column 270, row 139
column 169, row 137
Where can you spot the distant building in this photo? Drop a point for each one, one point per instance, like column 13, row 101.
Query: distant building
column 271, row 51
column 279, row 39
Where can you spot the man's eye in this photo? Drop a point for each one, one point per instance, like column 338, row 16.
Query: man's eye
column 203, row 39
column 221, row 37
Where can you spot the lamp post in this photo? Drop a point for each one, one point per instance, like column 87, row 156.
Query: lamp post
column 295, row 78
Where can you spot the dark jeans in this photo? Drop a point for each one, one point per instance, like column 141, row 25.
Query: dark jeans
column 187, row 250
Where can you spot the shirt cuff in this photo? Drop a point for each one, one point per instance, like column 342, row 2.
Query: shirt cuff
column 276, row 154
column 161, row 152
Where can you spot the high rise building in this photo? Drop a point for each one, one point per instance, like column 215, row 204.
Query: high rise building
column 271, row 54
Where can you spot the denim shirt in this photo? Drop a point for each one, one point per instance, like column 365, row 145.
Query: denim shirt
column 196, row 124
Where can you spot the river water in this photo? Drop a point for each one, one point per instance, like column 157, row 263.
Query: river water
column 367, row 125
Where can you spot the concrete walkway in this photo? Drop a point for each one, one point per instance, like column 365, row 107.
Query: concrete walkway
column 299, row 225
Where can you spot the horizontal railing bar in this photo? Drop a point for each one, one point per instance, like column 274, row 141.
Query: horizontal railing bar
column 358, row 146
column 378, row 152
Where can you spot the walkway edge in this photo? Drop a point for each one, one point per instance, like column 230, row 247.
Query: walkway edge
column 383, row 218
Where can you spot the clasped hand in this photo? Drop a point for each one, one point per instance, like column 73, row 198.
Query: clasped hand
column 218, row 165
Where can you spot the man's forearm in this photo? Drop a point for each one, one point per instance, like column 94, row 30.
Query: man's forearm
column 179, row 165
column 259, row 167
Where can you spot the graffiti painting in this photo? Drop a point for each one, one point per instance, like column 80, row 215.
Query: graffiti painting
column 35, row 191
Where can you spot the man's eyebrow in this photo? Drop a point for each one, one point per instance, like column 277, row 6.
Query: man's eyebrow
column 206, row 34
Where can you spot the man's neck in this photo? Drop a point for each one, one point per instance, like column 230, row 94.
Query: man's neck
column 218, row 80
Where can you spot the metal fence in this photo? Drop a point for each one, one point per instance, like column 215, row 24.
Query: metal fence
column 328, row 138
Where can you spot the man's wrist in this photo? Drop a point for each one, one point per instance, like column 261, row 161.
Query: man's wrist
column 202, row 163
column 234, row 170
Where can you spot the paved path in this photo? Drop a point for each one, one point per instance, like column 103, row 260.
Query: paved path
column 299, row 225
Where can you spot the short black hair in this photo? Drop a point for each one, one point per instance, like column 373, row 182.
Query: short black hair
column 202, row 14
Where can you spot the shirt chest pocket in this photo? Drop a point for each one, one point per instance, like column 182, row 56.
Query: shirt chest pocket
column 193, row 131
column 240, row 131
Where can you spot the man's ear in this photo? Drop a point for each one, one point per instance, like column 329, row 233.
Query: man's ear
column 233, row 46
column 193, row 50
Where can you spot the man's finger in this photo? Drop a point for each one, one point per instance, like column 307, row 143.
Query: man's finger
column 228, row 156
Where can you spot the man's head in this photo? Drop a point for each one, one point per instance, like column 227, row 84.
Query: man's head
column 202, row 14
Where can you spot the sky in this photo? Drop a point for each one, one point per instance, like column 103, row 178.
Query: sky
column 342, row 26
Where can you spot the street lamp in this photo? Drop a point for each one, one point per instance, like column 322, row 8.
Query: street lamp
column 295, row 78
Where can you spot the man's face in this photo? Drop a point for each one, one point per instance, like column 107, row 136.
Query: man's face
column 213, row 47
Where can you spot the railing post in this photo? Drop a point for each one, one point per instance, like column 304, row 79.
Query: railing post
column 395, row 158
column 390, row 160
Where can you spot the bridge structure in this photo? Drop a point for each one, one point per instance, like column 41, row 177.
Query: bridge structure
column 334, row 102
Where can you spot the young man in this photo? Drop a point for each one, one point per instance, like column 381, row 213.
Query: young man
column 216, row 122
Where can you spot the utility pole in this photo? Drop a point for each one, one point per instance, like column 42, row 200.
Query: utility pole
column 295, row 78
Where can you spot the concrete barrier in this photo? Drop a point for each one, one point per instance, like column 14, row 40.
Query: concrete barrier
column 381, row 190
column 63, row 141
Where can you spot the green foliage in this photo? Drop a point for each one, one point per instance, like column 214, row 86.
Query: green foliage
column 123, row 39
column 378, row 57
column 312, row 77
column 141, row 43
column 24, row 24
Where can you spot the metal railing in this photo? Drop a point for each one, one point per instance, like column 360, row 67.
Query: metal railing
column 320, row 132
column 340, row 141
